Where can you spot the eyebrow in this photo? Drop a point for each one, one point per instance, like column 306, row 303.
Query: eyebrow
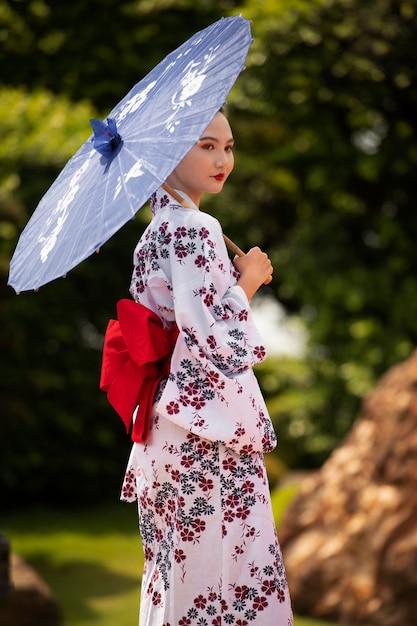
column 207, row 137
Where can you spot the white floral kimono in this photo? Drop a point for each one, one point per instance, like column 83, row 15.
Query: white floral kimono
column 212, row 556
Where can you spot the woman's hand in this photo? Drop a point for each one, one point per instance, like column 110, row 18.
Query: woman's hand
column 255, row 268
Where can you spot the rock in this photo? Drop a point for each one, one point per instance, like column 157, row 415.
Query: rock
column 350, row 537
column 30, row 601
column 5, row 585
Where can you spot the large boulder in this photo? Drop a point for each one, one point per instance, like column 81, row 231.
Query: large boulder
column 350, row 537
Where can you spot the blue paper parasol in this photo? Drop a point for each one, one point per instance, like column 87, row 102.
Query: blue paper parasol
column 130, row 154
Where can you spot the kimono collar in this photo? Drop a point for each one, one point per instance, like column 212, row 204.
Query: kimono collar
column 161, row 198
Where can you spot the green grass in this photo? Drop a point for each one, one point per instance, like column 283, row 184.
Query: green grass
column 92, row 560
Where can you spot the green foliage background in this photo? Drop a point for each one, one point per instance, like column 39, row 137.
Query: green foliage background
column 324, row 118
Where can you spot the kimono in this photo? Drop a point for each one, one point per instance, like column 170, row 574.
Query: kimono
column 212, row 556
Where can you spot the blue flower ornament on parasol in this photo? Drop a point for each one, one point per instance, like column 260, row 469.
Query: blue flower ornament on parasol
column 106, row 137
column 130, row 154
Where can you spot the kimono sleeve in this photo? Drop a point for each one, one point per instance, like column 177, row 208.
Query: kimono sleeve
column 211, row 311
column 211, row 389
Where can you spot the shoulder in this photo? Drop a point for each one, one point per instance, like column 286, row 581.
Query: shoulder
column 208, row 220
column 189, row 219
column 199, row 219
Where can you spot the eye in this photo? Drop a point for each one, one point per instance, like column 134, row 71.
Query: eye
column 229, row 148
column 207, row 146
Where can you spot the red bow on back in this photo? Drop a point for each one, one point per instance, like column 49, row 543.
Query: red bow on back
column 136, row 356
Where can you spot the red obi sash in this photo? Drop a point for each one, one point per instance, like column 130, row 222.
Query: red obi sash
column 136, row 356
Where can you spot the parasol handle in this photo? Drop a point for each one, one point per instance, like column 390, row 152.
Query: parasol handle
column 239, row 252
column 229, row 243
column 232, row 246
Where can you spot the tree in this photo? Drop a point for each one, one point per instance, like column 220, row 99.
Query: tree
column 329, row 163
column 93, row 50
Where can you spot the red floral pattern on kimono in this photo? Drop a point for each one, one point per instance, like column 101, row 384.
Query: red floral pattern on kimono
column 212, row 557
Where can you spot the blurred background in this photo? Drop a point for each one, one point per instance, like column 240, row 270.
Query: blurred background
column 324, row 118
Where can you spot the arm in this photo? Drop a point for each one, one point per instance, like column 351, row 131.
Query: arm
column 211, row 309
column 212, row 390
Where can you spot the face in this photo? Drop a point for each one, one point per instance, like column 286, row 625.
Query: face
column 207, row 165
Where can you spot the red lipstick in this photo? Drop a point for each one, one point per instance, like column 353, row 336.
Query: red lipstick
column 219, row 177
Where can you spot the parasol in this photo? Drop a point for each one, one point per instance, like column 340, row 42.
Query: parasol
column 130, row 154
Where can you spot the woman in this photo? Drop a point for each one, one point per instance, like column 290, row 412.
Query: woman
column 211, row 552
